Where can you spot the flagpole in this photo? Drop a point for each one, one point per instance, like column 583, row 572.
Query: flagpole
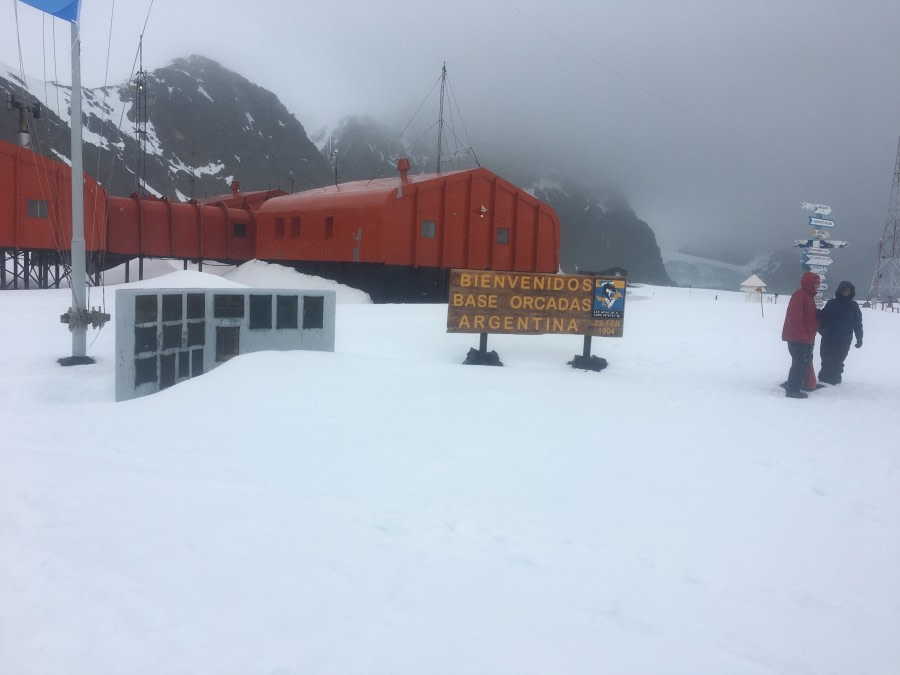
column 78, row 317
column 79, row 273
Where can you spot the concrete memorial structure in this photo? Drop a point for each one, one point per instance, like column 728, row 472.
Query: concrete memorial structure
column 167, row 335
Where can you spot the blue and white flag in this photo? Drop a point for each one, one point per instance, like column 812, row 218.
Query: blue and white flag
column 64, row 9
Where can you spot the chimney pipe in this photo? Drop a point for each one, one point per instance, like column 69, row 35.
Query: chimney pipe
column 403, row 168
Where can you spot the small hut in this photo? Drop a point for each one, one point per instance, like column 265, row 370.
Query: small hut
column 753, row 288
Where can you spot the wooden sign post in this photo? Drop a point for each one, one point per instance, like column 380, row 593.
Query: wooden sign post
column 535, row 304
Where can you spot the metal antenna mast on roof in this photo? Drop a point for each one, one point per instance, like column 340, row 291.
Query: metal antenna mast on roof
column 140, row 126
column 441, row 115
column 193, row 166
column 886, row 281
column 333, row 156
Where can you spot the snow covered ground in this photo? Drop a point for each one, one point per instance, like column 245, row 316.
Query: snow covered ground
column 385, row 509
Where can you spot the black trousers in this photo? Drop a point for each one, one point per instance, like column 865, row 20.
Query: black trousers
column 801, row 355
column 833, row 352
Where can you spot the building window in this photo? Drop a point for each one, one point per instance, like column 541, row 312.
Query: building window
column 313, row 311
column 228, row 306
column 145, row 339
column 295, row 227
column 279, row 227
column 196, row 305
column 286, row 311
column 502, row 235
column 196, row 333
column 184, row 365
column 145, row 309
column 240, row 230
column 196, row 362
column 228, row 342
column 172, row 336
column 167, row 372
column 429, row 229
column 260, row 311
column 37, row 208
column 171, row 307
column 329, row 227
column 145, row 371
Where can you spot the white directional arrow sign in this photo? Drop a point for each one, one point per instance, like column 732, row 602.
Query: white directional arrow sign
column 818, row 270
column 818, row 245
column 823, row 286
column 820, row 222
column 821, row 209
column 821, row 234
column 818, row 260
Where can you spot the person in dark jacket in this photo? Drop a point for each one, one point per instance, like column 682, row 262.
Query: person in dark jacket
column 838, row 321
column 799, row 332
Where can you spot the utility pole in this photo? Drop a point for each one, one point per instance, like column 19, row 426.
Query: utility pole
column 886, row 280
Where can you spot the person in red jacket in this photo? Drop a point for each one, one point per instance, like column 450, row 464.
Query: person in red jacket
column 799, row 332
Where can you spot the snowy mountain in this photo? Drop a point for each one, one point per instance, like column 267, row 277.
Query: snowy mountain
column 780, row 270
column 206, row 126
column 600, row 231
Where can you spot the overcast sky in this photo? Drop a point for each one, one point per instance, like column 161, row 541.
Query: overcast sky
column 718, row 118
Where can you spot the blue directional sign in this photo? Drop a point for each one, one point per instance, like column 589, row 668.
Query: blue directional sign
column 820, row 222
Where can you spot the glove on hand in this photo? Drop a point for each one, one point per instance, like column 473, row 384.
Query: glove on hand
column 858, row 344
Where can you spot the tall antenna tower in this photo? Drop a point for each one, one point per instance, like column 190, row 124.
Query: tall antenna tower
column 441, row 116
column 140, row 122
column 333, row 156
column 886, row 282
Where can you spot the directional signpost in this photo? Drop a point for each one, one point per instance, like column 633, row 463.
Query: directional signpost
column 818, row 248
column 820, row 209
column 818, row 244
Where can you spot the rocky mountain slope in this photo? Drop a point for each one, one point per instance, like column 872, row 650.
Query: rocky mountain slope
column 187, row 130
column 205, row 125
column 600, row 231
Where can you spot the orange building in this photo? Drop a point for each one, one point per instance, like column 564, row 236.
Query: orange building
column 396, row 238
column 463, row 219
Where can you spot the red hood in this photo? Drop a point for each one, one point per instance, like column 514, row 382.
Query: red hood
column 809, row 282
